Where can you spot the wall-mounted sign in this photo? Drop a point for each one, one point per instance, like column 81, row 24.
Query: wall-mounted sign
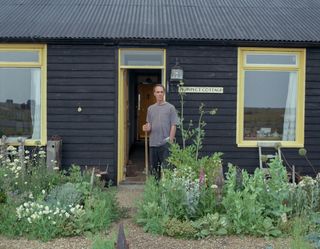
column 202, row 89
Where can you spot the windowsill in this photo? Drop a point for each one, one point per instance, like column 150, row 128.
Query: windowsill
column 284, row 144
column 28, row 142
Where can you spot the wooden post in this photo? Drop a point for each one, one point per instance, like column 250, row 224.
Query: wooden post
column 21, row 142
column 146, row 152
column 121, row 240
column 293, row 174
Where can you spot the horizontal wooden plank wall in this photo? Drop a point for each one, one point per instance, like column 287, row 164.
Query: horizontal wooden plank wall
column 217, row 67
column 83, row 75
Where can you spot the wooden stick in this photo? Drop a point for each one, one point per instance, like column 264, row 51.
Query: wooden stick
column 146, row 151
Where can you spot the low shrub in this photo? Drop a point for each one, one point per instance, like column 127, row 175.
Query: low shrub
column 64, row 196
column 41, row 203
column 180, row 229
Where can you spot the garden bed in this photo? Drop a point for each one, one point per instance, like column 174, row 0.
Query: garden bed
column 138, row 239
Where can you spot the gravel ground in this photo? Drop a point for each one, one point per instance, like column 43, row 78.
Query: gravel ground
column 138, row 239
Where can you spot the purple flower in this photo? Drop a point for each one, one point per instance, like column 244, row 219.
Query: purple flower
column 202, row 177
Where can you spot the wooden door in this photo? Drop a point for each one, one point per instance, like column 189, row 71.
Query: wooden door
column 145, row 99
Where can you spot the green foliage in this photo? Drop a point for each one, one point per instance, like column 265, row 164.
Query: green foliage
column 180, row 229
column 64, row 195
column 72, row 207
column 211, row 224
column 181, row 158
column 149, row 214
column 304, row 198
column 3, row 196
column 102, row 243
column 259, row 205
column 298, row 233
column 101, row 209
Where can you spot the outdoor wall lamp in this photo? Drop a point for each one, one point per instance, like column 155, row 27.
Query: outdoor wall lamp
column 176, row 72
column 79, row 109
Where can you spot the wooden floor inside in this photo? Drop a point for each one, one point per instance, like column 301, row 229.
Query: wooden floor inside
column 135, row 169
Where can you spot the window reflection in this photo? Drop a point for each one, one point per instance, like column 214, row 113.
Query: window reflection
column 270, row 105
column 20, row 102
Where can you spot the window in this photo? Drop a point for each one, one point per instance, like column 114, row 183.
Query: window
column 132, row 57
column 271, row 91
column 23, row 93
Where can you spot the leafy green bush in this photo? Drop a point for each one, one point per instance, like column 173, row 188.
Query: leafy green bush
column 149, row 213
column 65, row 195
column 180, row 229
column 304, row 197
column 260, row 204
column 211, row 224
column 101, row 209
column 44, row 203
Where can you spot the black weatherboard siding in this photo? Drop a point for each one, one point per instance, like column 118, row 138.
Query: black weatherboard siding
column 83, row 75
column 216, row 66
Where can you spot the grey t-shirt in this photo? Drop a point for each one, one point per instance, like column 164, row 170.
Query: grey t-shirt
column 161, row 118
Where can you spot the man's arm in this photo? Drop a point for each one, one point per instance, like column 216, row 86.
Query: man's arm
column 172, row 133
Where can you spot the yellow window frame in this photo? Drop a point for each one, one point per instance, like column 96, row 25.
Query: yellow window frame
column 300, row 68
column 42, row 64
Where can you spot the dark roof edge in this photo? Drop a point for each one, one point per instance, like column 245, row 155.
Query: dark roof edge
column 126, row 42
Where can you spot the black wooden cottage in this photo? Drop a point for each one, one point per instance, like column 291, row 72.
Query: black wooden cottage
column 83, row 70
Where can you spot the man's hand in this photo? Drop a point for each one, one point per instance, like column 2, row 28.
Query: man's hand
column 146, row 127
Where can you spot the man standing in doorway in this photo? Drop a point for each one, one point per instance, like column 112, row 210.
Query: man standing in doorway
column 161, row 123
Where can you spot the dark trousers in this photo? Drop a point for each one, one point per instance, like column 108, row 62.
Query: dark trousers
column 158, row 156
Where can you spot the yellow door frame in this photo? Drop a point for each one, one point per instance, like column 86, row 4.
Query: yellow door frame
column 121, row 105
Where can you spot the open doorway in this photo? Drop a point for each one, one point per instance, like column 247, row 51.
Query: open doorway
column 140, row 97
column 139, row 69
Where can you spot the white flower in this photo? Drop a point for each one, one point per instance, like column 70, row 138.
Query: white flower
column 26, row 204
column 25, row 183
column 67, row 214
column 1, row 156
column 43, row 191
column 11, row 148
column 30, row 196
column 29, row 220
column 284, row 218
column 55, row 168
column 27, row 152
column 214, row 186
column 53, row 222
column 27, row 157
column 5, row 175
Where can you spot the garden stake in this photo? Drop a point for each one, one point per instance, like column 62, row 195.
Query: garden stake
column 146, row 151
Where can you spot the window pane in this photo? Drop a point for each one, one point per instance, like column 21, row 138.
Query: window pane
column 277, row 59
column 270, row 105
column 20, row 102
column 19, row 56
column 142, row 58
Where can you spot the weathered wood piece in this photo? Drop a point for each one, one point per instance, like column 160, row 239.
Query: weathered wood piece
column 121, row 240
